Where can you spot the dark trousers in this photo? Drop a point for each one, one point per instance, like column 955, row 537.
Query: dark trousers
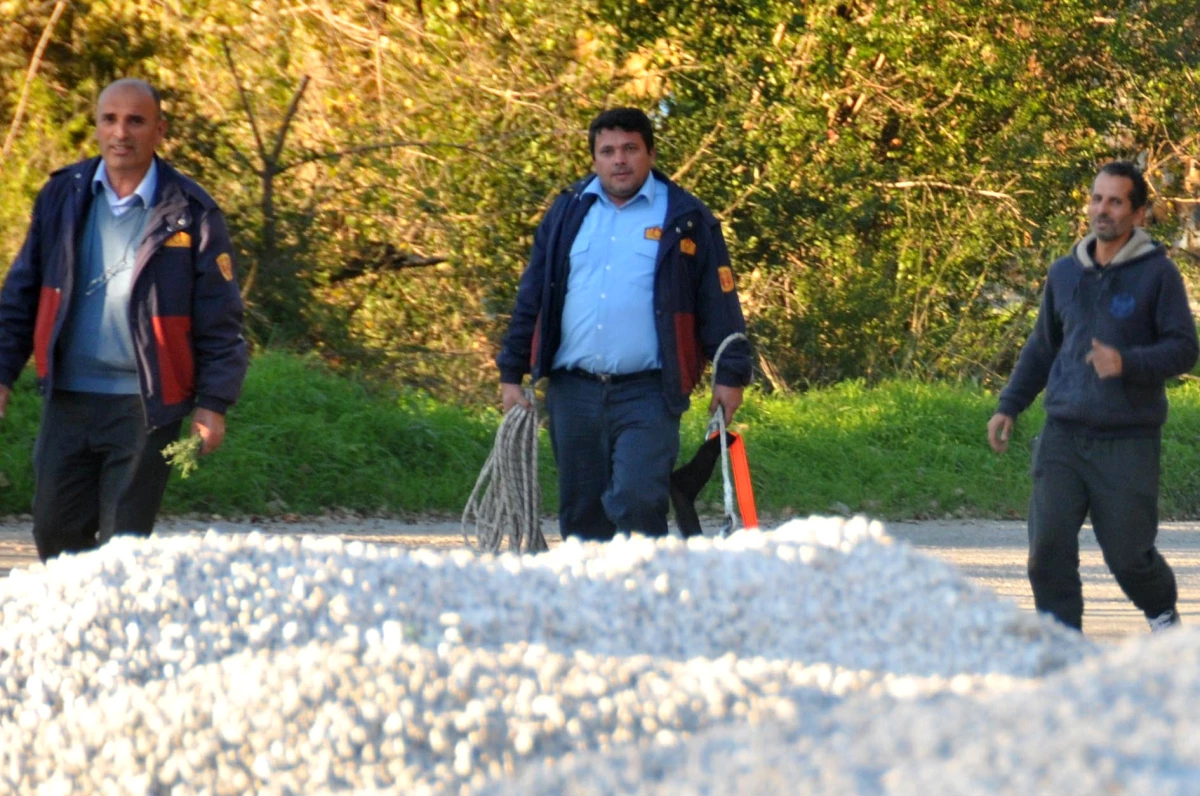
column 1116, row 481
column 98, row 471
column 615, row 445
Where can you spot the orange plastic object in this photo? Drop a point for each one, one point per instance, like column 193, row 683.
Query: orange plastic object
column 742, row 485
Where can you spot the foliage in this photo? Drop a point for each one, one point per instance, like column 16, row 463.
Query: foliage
column 303, row 440
column 894, row 177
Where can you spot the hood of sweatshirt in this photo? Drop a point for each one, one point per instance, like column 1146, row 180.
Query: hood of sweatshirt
column 1139, row 244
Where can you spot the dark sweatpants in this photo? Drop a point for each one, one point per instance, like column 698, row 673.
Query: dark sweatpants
column 98, row 471
column 1116, row 481
column 615, row 445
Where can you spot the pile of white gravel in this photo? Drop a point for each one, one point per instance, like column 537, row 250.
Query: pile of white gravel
column 822, row 653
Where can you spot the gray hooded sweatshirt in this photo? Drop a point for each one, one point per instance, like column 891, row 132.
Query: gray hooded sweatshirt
column 1136, row 304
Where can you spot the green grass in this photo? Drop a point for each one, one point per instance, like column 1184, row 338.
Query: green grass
column 304, row 439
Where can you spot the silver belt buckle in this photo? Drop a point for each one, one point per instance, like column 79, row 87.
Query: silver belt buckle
column 604, row 378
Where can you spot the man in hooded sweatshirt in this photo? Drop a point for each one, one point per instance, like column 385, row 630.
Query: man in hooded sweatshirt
column 1114, row 325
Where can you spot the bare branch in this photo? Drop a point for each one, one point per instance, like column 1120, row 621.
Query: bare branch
column 287, row 120
column 262, row 150
column 34, row 63
column 700, row 150
column 908, row 184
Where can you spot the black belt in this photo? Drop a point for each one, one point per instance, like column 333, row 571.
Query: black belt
column 609, row 378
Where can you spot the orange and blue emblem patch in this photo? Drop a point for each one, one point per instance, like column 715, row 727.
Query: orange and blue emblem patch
column 687, row 246
column 725, row 274
column 225, row 263
column 653, row 233
column 180, row 240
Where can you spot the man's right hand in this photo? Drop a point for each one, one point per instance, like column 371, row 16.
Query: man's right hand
column 999, row 430
column 512, row 394
column 4, row 391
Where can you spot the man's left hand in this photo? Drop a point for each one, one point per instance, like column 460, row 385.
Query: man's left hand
column 1105, row 359
column 730, row 398
column 210, row 426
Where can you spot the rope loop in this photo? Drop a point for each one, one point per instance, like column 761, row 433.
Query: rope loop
column 716, row 424
column 507, row 494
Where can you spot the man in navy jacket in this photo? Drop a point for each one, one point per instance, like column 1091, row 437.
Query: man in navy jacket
column 1114, row 325
column 628, row 291
column 124, row 293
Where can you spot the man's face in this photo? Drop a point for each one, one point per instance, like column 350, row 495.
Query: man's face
column 1110, row 212
column 128, row 129
column 622, row 163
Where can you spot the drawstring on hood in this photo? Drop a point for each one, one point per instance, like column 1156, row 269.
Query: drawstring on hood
column 1140, row 243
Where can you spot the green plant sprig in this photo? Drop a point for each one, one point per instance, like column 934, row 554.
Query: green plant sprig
column 184, row 454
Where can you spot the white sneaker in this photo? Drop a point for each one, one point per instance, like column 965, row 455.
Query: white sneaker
column 1165, row 621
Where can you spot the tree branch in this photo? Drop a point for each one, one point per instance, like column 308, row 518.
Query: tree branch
column 262, row 150
column 907, row 184
column 34, row 63
column 287, row 120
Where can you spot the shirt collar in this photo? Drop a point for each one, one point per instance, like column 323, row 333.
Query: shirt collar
column 144, row 191
column 647, row 190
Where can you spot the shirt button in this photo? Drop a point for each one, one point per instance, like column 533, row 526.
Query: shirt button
column 608, row 268
column 599, row 326
column 603, row 295
column 614, row 237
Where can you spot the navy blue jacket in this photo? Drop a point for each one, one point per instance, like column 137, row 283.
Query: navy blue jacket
column 1136, row 304
column 695, row 299
column 185, row 310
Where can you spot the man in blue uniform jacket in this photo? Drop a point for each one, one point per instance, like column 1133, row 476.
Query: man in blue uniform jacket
column 124, row 294
column 628, row 291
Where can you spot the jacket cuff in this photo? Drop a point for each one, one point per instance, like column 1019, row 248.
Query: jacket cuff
column 511, row 376
column 1133, row 366
column 213, row 404
column 727, row 378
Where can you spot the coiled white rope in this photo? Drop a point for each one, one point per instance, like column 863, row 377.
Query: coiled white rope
column 507, row 494
column 716, row 424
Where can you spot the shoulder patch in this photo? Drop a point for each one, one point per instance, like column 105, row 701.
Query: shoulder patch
column 687, row 246
column 725, row 273
column 653, row 233
column 225, row 263
column 180, row 240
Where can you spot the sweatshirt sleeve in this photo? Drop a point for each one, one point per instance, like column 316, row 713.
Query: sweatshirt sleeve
column 1176, row 349
column 1033, row 367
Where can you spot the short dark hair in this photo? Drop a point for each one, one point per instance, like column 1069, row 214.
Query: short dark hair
column 1140, row 193
column 631, row 120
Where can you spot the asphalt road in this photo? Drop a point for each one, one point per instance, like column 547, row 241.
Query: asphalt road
column 991, row 552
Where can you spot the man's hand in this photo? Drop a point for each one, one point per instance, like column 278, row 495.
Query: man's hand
column 1105, row 359
column 210, row 427
column 999, row 430
column 512, row 394
column 730, row 398
column 4, row 391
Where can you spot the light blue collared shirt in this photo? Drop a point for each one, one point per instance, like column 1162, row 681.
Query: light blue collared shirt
column 144, row 191
column 608, row 317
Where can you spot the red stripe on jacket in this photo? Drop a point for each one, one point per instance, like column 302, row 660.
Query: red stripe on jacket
column 172, row 336
column 533, row 347
column 43, row 328
column 687, row 350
